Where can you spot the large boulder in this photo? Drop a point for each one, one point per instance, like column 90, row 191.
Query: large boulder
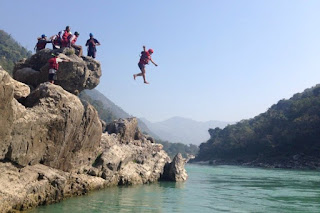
column 175, row 170
column 136, row 162
column 20, row 90
column 74, row 76
column 54, row 128
column 24, row 188
column 126, row 129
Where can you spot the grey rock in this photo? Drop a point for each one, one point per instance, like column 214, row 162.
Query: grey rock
column 175, row 170
column 52, row 147
column 20, row 90
column 74, row 76
column 126, row 129
column 22, row 189
column 54, row 128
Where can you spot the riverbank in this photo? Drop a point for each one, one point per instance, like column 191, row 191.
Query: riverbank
column 296, row 162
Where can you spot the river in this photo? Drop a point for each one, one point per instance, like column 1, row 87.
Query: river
column 208, row 189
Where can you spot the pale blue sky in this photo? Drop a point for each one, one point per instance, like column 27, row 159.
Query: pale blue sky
column 218, row 60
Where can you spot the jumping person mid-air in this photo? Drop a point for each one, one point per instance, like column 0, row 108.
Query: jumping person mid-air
column 144, row 59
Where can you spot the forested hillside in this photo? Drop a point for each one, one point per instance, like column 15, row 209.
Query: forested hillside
column 106, row 106
column 173, row 148
column 104, row 113
column 287, row 132
column 10, row 52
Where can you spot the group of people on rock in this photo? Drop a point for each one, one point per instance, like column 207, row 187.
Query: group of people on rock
column 67, row 39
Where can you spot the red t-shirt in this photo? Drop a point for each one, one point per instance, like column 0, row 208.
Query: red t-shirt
column 65, row 39
column 145, row 57
column 53, row 63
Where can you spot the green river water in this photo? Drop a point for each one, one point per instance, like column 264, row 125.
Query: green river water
column 208, row 189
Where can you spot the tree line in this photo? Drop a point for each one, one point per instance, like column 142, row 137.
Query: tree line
column 11, row 52
column 287, row 128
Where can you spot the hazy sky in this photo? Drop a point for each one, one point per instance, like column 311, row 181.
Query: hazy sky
column 218, row 60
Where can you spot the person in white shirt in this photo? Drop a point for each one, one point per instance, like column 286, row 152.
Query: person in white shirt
column 72, row 42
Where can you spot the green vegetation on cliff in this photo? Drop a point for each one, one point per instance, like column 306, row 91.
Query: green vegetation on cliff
column 11, row 52
column 289, row 128
column 105, row 114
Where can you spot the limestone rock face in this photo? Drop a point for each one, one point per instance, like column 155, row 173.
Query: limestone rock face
column 74, row 76
column 127, row 164
column 24, row 188
column 175, row 171
column 54, row 128
column 126, row 130
column 52, row 145
column 20, row 90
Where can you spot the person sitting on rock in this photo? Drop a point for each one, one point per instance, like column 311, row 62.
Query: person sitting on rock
column 144, row 59
column 66, row 37
column 42, row 42
column 56, row 40
column 72, row 42
column 54, row 66
column 92, row 43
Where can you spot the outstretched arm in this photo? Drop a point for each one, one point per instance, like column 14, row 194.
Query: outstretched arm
column 153, row 62
column 144, row 48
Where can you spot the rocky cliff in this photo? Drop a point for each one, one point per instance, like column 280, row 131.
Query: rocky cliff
column 52, row 146
column 74, row 76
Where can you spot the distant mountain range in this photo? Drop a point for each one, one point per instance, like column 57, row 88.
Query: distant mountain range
column 117, row 112
column 183, row 130
column 176, row 129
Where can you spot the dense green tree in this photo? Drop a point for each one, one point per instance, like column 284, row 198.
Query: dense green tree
column 105, row 114
column 288, row 128
column 11, row 52
column 174, row 148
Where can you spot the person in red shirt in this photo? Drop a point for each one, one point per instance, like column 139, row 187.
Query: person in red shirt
column 144, row 59
column 65, row 37
column 54, row 66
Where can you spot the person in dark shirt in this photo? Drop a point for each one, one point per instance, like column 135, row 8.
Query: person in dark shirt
column 41, row 44
column 92, row 43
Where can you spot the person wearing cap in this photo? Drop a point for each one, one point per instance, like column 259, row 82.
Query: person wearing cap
column 92, row 43
column 54, row 66
column 72, row 43
column 56, row 40
column 144, row 59
column 42, row 42
column 66, row 37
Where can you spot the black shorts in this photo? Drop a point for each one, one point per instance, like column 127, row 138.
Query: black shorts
column 52, row 76
column 141, row 66
column 92, row 54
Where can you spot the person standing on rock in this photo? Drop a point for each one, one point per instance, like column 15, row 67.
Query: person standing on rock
column 144, row 59
column 42, row 42
column 54, row 66
column 92, row 43
column 72, row 43
column 65, row 37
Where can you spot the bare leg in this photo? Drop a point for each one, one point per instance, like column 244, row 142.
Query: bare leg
column 143, row 74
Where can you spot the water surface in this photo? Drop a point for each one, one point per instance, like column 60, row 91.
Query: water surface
column 208, row 189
